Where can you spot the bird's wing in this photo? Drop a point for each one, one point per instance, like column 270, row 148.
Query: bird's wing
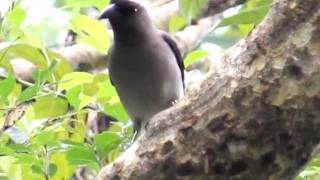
column 172, row 44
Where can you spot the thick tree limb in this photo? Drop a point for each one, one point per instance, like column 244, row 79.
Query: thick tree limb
column 255, row 117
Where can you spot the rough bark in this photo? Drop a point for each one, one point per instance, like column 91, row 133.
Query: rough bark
column 254, row 117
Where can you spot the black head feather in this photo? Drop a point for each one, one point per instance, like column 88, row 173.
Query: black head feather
column 126, row 7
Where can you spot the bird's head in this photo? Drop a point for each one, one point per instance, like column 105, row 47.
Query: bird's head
column 126, row 15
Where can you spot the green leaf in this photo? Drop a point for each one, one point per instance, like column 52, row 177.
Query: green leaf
column 250, row 16
column 100, row 78
column 16, row 16
column 106, row 92
column 77, row 98
column 74, row 79
column 52, row 169
column 82, row 155
column 29, row 93
column 6, row 87
column 245, row 29
column 115, row 127
column 65, row 169
column 90, row 89
column 45, row 138
column 31, row 38
column 5, row 63
column 195, row 56
column 255, row 3
column 40, row 76
column 30, row 53
column 35, row 55
column 114, row 154
column 20, row 148
column 191, row 8
column 100, row 4
column 106, row 142
column 63, row 66
column 49, row 107
column 73, row 96
column 176, row 23
column 91, row 31
column 9, row 166
column 10, row 27
column 36, row 169
column 115, row 109
column 6, row 151
column 27, row 158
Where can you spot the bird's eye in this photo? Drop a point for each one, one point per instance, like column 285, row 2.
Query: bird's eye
column 127, row 9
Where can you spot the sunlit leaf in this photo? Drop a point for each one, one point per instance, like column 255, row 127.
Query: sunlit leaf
column 36, row 169
column 114, row 154
column 106, row 92
column 5, row 63
column 9, row 166
column 100, row 4
column 45, row 137
column 116, row 110
column 16, row 16
column 250, row 16
column 90, row 89
column 83, row 155
column 6, row 87
column 10, row 27
column 20, row 148
column 195, row 56
column 73, row 96
column 245, row 29
column 36, row 56
column 29, row 92
column 49, row 107
column 255, row 3
column 74, row 79
column 176, row 23
column 52, row 169
column 27, row 158
column 41, row 75
column 65, row 169
column 63, row 66
column 106, row 142
column 77, row 98
column 91, row 31
column 191, row 8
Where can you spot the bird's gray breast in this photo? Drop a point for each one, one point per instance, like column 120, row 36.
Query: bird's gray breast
column 147, row 78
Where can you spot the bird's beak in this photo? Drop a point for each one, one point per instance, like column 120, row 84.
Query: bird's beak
column 107, row 13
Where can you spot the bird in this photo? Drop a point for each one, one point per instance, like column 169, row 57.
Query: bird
column 145, row 65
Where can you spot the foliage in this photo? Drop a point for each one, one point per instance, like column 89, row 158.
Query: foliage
column 191, row 8
column 45, row 134
column 51, row 139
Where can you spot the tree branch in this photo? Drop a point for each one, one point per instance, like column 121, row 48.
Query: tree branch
column 254, row 117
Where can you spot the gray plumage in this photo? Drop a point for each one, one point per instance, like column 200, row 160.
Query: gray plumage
column 145, row 64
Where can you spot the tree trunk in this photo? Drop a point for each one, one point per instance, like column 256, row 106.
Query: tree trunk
column 254, row 117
